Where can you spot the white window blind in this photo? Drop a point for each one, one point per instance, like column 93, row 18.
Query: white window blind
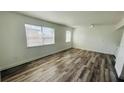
column 68, row 36
column 48, row 36
column 34, row 35
column 37, row 35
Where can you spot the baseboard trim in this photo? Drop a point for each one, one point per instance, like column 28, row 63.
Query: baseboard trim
column 95, row 51
column 32, row 59
column 22, row 66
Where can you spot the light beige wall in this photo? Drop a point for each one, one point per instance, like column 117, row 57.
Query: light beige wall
column 120, row 24
column 13, row 50
column 119, row 66
column 102, row 38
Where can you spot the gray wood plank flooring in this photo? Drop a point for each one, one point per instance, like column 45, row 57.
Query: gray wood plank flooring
column 73, row 65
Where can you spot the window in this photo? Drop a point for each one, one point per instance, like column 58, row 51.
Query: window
column 68, row 36
column 34, row 35
column 48, row 36
column 37, row 35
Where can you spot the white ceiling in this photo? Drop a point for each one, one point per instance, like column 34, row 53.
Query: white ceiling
column 78, row 18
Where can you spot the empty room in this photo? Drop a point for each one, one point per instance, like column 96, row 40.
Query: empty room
column 61, row 46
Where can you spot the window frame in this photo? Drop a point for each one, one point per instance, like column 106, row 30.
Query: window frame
column 67, row 37
column 53, row 37
column 41, row 36
column 27, row 35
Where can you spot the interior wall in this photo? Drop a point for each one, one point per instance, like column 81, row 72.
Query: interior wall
column 119, row 66
column 101, row 38
column 13, row 47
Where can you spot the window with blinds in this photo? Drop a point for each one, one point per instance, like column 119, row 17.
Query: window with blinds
column 68, row 36
column 38, row 36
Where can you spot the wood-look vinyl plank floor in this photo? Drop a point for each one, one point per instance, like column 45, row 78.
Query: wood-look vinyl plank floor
column 73, row 65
